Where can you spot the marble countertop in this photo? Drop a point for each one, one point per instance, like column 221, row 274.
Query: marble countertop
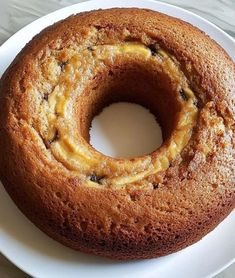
column 14, row 14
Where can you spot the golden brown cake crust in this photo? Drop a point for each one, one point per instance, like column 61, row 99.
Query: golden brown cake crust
column 191, row 196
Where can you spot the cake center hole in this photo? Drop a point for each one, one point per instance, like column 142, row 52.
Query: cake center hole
column 125, row 130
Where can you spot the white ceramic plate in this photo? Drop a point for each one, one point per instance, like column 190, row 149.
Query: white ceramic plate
column 40, row 256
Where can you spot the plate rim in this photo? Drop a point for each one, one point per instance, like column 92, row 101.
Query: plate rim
column 84, row 2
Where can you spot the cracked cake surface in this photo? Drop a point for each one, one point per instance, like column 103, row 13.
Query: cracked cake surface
column 124, row 208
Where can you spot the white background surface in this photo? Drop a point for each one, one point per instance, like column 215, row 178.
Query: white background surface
column 16, row 14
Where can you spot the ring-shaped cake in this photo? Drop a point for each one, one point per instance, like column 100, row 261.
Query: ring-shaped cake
column 125, row 208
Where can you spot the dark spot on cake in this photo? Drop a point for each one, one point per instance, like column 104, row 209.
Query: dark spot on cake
column 93, row 177
column 58, row 195
column 133, row 197
column 62, row 65
column 111, row 73
column 90, row 48
column 214, row 185
column 153, row 48
column 197, row 103
column 102, row 243
column 131, row 39
column 53, row 139
column 45, row 142
column 45, row 96
column 57, row 114
column 98, row 27
column 119, row 206
column 183, row 95
column 155, row 185
column 95, row 88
